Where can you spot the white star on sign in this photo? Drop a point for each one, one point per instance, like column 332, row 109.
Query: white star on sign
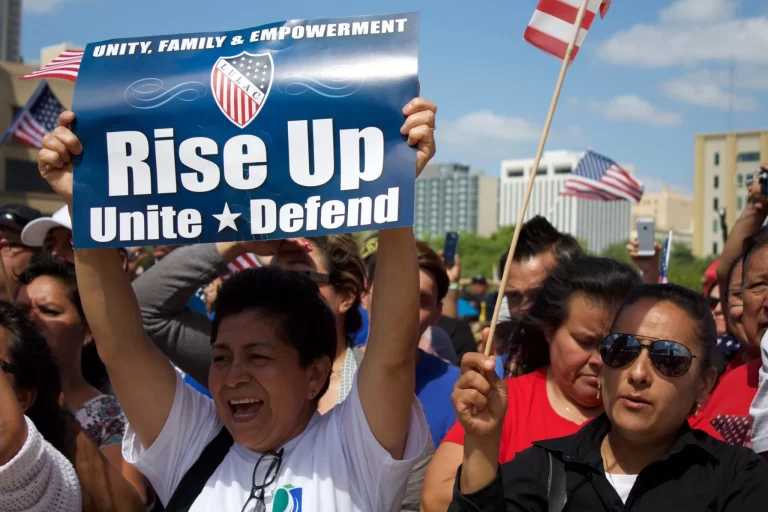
column 227, row 219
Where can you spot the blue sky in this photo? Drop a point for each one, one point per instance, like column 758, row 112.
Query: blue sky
column 649, row 76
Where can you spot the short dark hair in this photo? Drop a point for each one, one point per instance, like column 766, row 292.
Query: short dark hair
column 429, row 261
column 758, row 240
column 33, row 368
column 288, row 299
column 603, row 280
column 537, row 237
column 46, row 264
column 693, row 304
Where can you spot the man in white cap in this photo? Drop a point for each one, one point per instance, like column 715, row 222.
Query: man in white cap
column 52, row 233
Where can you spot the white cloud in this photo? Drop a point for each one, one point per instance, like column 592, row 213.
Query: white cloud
column 664, row 45
column 484, row 128
column 696, row 11
column 695, row 91
column 744, row 77
column 633, row 109
column 42, row 6
column 690, row 32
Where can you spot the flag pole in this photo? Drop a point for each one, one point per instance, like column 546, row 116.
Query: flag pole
column 534, row 171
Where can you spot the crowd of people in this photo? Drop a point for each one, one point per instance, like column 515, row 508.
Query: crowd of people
column 338, row 375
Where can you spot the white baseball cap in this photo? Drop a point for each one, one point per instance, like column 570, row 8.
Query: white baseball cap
column 34, row 233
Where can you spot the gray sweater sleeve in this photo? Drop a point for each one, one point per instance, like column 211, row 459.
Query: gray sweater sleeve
column 163, row 292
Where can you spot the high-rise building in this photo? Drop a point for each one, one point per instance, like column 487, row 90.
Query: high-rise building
column 10, row 30
column 598, row 223
column 450, row 197
column 671, row 211
column 722, row 163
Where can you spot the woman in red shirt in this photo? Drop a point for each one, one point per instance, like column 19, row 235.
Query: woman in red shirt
column 572, row 314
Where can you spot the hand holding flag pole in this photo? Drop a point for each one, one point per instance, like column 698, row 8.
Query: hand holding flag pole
column 545, row 133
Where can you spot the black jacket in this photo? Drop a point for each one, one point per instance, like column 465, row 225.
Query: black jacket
column 698, row 473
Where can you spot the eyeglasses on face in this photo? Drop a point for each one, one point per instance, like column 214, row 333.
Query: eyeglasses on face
column 670, row 358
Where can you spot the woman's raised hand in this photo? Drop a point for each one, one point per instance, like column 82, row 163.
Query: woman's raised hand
column 480, row 396
column 55, row 158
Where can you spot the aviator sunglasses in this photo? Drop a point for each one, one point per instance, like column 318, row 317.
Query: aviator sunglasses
column 671, row 358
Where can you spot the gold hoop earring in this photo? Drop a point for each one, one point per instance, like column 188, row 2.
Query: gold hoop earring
column 696, row 412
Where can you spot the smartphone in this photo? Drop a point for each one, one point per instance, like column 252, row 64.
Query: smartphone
column 451, row 248
column 646, row 236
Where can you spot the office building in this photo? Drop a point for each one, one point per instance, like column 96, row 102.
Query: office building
column 671, row 211
column 20, row 180
column 10, row 30
column 722, row 164
column 450, row 197
column 596, row 223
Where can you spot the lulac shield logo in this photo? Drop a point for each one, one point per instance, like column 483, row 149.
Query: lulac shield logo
column 241, row 85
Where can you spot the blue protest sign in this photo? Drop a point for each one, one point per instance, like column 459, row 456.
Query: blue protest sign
column 284, row 130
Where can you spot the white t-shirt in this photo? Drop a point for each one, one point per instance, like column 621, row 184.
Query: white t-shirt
column 334, row 465
column 759, row 409
column 622, row 483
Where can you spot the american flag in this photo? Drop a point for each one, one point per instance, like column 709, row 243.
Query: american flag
column 65, row 66
column 241, row 84
column 551, row 28
column 665, row 253
column 248, row 260
column 39, row 116
column 599, row 178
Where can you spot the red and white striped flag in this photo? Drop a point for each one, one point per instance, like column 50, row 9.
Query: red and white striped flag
column 248, row 260
column 551, row 27
column 599, row 178
column 65, row 66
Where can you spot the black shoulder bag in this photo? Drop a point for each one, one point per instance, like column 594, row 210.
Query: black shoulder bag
column 194, row 480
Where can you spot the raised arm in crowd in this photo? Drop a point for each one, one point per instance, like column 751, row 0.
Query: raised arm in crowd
column 274, row 341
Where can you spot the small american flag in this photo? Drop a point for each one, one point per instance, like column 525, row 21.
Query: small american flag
column 599, row 178
column 39, row 116
column 65, row 66
column 551, row 28
column 248, row 260
column 665, row 253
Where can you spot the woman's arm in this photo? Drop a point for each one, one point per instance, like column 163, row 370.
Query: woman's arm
column 387, row 377
column 137, row 369
column 103, row 487
column 114, row 455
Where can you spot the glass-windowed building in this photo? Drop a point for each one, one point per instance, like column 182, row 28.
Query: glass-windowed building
column 451, row 197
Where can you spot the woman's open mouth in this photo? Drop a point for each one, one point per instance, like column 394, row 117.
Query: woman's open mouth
column 244, row 409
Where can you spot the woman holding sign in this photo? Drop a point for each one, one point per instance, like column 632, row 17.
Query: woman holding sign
column 260, row 444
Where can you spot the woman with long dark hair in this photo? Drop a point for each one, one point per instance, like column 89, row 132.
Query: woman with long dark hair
column 555, row 342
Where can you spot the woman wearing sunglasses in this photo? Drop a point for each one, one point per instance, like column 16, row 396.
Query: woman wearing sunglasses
column 640, row 454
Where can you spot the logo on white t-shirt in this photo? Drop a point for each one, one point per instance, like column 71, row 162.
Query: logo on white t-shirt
column 287, row 499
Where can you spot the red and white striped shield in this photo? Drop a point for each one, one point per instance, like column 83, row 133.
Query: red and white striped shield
column 241, row 85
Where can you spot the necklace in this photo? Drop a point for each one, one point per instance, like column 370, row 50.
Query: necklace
column 604, row 452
